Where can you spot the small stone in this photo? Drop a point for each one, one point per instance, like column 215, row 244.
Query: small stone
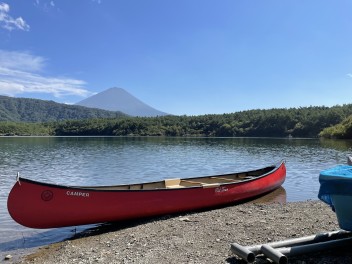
column 8, row 257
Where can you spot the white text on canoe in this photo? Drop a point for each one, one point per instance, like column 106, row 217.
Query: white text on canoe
column 81, row 194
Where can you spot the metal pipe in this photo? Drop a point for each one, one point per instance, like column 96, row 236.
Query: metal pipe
column 243, row 252
column 321, row 246
column 256, row 249
column 274, row 254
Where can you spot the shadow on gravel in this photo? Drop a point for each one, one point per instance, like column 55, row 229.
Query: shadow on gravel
column 116, row 226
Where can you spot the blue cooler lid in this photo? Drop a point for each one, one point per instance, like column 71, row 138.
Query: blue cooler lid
column 335, row 181
column 336, row 173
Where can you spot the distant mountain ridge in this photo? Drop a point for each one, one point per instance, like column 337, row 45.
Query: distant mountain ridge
column 118, row 99
column 36, row 110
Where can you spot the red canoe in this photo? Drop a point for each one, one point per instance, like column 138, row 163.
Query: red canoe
column 42, row 205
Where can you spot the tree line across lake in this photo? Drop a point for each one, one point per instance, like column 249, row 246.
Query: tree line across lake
column 329, row 122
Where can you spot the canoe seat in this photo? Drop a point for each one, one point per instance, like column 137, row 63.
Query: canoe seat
column 173, row 183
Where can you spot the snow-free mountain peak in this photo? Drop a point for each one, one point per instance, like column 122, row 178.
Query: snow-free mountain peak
column 118, row 99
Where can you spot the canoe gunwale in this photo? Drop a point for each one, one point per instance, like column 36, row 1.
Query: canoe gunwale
column 110, row 188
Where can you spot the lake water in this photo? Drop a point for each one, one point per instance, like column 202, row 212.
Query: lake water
column 112, row 160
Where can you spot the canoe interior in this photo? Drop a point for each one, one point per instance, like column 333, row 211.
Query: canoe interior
column 207, row 181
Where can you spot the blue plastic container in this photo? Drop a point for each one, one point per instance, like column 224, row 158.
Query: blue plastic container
column 336, row 191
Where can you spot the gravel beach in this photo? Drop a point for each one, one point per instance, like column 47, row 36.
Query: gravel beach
column 199, row 237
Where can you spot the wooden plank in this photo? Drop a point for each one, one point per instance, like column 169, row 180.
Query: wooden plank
column 210, row 185
column 193, row 182
column 174, row 186
column 224, row 179
column 171, row 182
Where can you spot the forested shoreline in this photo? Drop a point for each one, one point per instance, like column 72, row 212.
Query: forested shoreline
column 329, row 122
column 31, row 110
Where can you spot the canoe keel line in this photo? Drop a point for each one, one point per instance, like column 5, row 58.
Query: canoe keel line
column 42, row 205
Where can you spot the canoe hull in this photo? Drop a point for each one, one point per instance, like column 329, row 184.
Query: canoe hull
column 39, row 205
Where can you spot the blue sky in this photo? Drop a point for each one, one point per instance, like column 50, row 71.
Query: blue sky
column 189, row 57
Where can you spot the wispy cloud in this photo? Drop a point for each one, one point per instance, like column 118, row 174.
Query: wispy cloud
column 21, row 61
column 349, row 75
column 20, row 74
column 45, row 5
column 8, row 22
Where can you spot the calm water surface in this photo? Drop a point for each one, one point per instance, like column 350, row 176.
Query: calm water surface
column 111, row 160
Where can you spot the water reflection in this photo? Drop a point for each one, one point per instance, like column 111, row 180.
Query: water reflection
column 341, row 145
column 276, row 196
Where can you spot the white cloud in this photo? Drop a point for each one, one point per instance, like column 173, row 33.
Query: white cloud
column 4, row 7
column 10, row 23
column 349, row 75
column 21, row 61
column 19, row 75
